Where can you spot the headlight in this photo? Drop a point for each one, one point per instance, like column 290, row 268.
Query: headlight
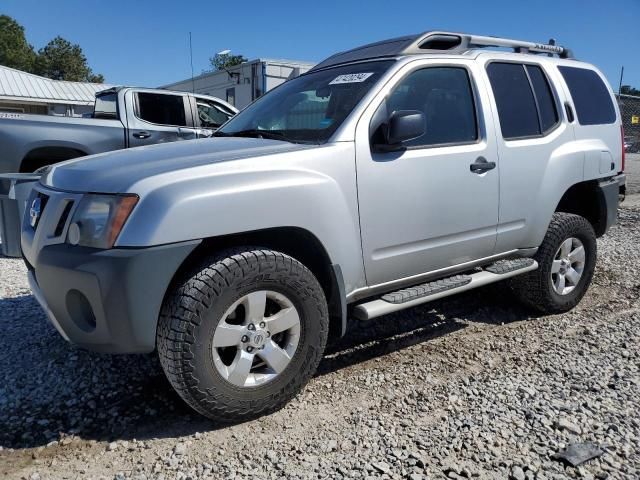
column 98, row 220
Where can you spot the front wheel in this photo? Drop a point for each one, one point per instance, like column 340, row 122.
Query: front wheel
column 566, row 259
column 242, row 333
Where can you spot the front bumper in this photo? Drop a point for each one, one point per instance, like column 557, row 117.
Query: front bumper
column 105, row 300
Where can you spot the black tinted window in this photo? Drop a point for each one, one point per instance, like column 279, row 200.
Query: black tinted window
column 161, row 109
column 106, row 106
column 444, row 95
column 590, row 95
column 546, row 102
column 514, row 99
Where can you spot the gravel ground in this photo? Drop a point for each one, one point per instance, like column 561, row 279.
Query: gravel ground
column 473, row 386
column 632, row 169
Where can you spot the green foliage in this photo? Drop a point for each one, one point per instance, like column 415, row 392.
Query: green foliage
column 95, row 77
column 58, row 60
column 222, row 62
column 62, row 60
column 15, row 52
column 629, row 90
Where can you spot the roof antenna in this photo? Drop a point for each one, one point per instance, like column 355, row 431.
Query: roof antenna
column 552, row 42
column 193, row 83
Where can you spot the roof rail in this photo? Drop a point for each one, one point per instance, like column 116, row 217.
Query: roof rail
column 451, row 42
column 438, row 42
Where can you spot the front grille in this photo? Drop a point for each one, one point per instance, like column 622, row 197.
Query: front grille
column 63, row 218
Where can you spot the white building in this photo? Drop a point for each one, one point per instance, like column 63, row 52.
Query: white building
column 27, row 93
column 242, row 84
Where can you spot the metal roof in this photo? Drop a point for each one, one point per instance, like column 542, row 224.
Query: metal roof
column 16, row 85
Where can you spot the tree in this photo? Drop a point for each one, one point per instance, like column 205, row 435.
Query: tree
column 222, row 62
column 62, row 60
column 629, row 90
column 95, row 78
column 15, row 52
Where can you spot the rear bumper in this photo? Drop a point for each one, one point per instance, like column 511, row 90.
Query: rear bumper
column 105, row 300
column 611, row 190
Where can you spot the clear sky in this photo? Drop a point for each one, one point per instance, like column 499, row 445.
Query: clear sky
column 146, row 42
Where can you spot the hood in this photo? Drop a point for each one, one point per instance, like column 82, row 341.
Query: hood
column 117, row 171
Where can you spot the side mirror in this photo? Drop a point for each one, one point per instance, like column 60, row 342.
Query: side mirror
column 405, row 125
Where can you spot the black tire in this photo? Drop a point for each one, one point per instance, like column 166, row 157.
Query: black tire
column 195, row 306
column 535, row 289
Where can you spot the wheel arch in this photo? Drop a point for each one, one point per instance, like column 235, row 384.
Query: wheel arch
column 41, row 156
column 296, row 242
column 587, row 200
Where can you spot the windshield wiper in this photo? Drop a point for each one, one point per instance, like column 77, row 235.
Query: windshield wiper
column 270, row 134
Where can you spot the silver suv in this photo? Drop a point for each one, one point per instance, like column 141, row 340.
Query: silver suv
column 388, row 176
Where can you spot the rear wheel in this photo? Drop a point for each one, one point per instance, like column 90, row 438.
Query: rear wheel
column 242, row 333
column 566, row 259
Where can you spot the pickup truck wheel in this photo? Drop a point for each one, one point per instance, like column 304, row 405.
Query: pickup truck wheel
column 566, row 259
column 242, row 333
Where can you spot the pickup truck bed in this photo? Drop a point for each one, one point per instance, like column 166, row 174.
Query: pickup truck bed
column 26, row 137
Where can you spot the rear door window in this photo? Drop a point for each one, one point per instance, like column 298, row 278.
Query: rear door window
column 514, row 99
column 524, row 98
column 161, row 109
column 590, row 96
column 544, row 97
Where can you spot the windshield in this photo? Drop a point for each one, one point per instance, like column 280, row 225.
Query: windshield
column 309, row 108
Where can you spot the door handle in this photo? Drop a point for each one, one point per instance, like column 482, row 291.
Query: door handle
column 481, row 165
column 142, row 134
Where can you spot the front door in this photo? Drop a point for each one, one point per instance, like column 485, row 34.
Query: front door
column 429, row 206
column 211, row 115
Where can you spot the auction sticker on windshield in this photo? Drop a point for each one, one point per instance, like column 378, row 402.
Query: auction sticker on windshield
column 350, row 78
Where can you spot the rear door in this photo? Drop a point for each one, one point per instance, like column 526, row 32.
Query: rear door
column 158, row 117
column 534, row 135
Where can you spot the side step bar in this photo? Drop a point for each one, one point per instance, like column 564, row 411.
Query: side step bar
column 426, row 292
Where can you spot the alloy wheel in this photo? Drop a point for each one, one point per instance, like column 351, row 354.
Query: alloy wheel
column 256, row 338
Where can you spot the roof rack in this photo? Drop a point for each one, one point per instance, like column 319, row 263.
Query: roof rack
column 461, row 42
column 439, row 42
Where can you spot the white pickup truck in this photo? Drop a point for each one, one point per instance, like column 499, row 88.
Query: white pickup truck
column 123, row 117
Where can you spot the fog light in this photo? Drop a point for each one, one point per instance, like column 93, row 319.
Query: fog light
column 80, row 311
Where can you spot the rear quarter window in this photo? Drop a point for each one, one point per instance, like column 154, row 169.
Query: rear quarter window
column 590, row 96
